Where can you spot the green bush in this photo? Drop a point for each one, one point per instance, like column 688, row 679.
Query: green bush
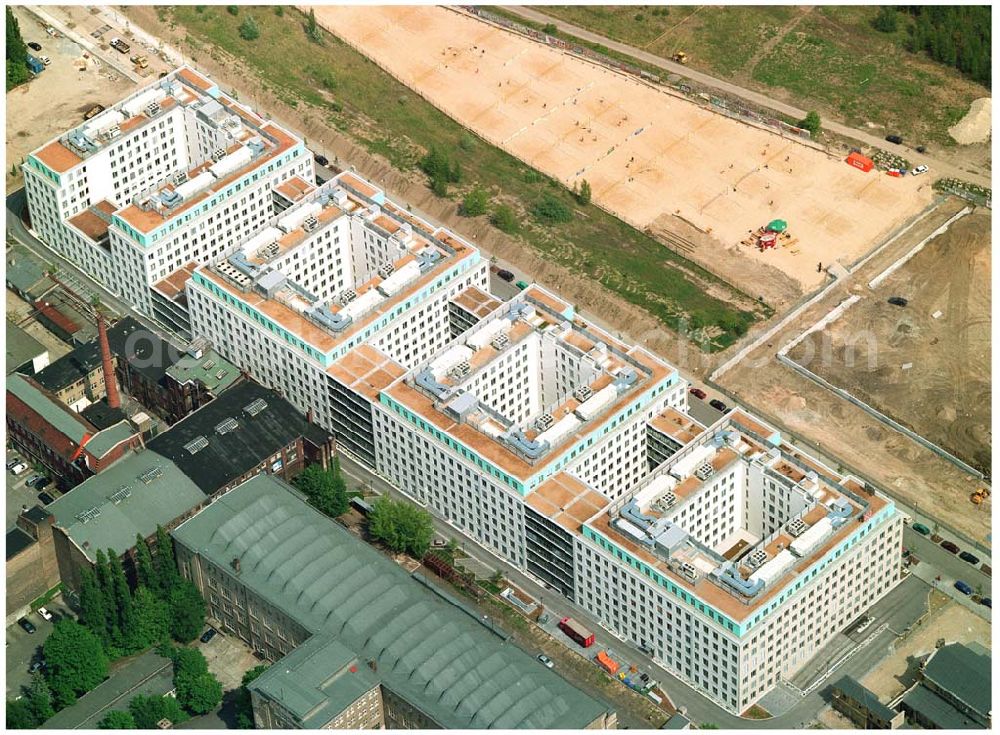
column 550, row 209
column 233, row 9
column 249, row 30
column 504, row 219
column 550, row 29
column 811, row 122
column 475, row 203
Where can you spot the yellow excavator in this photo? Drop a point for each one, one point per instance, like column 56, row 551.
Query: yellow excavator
column 680, row 57
column 979, row 496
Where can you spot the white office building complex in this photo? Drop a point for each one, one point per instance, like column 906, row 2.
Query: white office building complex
column 165, row 179
column 724, row 552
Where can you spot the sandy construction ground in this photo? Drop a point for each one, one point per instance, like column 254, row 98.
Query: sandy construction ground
column 648, row 155
column 926, row 365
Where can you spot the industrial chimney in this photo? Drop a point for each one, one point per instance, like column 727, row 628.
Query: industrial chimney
column 114, row 400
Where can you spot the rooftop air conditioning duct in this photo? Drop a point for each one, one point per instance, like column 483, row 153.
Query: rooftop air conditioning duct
column 796, row 528
column 310, row 224
column 152, row 109
column 218, row 154
column 583, row 393
column 544, row 422
column 180, row 177
column 688, row 571
column 500, row 342
column 755, row 559
column 461, row 370
column 348, row 296
column 385, row 270
column 704, row 471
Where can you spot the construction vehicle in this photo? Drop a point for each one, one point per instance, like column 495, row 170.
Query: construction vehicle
column 140, row 61
column 979, row 496
column 119, row 45
column 680, row 57
column 93, row 112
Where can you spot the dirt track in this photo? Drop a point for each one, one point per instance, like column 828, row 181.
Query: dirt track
column 893, row 461
column 945, row 393
column 651, row 158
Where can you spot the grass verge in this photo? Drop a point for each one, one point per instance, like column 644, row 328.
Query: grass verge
column 366, row 103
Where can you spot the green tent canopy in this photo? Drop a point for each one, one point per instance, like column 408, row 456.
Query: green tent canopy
column 777, row 225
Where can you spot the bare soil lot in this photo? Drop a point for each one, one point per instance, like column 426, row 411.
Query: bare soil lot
column 56, row 99
column 652, row 159
column 943, row 335
column 837, row 428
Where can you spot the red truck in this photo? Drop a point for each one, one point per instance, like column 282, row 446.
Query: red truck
column 577, row 632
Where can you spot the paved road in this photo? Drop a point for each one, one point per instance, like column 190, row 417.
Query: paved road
column 939, row 167
column 905, row 602
column 949, row 565
column 24, row 648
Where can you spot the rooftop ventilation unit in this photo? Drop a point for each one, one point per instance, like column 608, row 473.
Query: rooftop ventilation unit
column 196, row 445
column 218, row 154
column 545, row 422
column 268, row 251
column 310, row 224
column 688, row 571
column 756, row 558
column 385, row 270
column 704, row 471
column 583, row 393
column 348, row 296
column 149, row 475
column 121, row 494
column 461, row 370
column 255, row 407
column 153, row 109
column 500, row 342
column 88, row 515
column 665, row 502
column 112, row 132
column 796, row 528
column 180, row 177
column 224, row 427
column 209, row 364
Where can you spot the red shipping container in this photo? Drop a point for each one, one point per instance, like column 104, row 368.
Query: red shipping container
column 859, row 161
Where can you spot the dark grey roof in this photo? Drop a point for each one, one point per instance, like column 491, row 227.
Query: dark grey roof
column 865, row 697
column 70, row 368
column 938, row 711
column 964, row 673
column 431, row 652
column 17, row 541
column 36, row 514
column 232, row 454
column 21, row 348
column 101, row 415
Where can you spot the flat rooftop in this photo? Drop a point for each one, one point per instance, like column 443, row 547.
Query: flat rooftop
column 678, row 426
column 477, row 302
column 295, row 188
column 366, row 370
column 173, row 285
column 568, row 501
column 94, row 221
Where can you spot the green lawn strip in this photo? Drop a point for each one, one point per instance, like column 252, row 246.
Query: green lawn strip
column 359, row 98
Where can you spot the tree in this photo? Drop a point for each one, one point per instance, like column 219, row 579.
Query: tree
column 40, row 698
column 583, row 194
column 149, row 621
column 117, row 720
column 312, row 28
column 243, row 703
column 439, row 187
column 121, row 597
column 93, row 607
column 550, row 29
column 887, row 20
column 75, row 661
column 326, row 489
column 147, row 711
column 475, row 203
column 401, row 526
column 279, row 10
column 811, row 122
column 200, row 693
column 233, row 9
column 145, row 571
column 17, row 53
column 19, row 714
column 249, row 30
column 551, row 209
column 164, row 562
column 504, row 219
column 187, row 612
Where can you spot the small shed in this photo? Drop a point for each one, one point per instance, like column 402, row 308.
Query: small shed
column 858, row 161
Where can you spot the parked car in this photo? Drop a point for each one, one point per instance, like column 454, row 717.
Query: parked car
column 45, row 499
column 51, row 31
column 27, row 625
column 897, row 301
column 18, row 468
column 698, row 393
column 34, row 45
column 987, row 602
column 36, row 666
column 921, row 149
column 546, row 660
column 918, row 170
column 45, row 60
column 963, row 587
column 865, row 624
column 16, row 460
column 898, row 140
column 522, row 284
column 718, row 405
column 971, row 558
column 321, row 160
column 950, row 546
column 505, row 275
column 30, row 482
column 43, row 483
column 46, row 615
column 208, row 635
column 987, row 570
column 921, row 529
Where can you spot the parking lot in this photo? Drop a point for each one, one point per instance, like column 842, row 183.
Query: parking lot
column 23, row 648
column 18, row 493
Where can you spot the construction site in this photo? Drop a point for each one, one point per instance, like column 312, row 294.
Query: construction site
column 653, row 158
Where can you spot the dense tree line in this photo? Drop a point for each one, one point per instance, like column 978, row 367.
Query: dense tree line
column 955, row 35
column 326, row 490
column 17, row 53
